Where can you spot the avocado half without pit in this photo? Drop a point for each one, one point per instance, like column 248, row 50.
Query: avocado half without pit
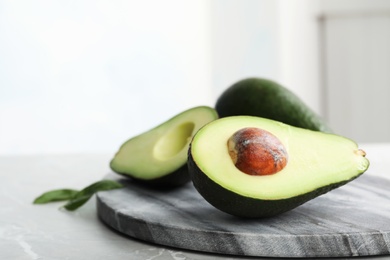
column 255, row 167
column 158, row 157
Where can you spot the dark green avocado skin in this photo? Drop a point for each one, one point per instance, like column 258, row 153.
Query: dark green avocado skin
column 246, row 207
column 172, row 180
column 265, row 98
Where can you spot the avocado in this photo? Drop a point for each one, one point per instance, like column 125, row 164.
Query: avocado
column 256, row 167
column 266, row 98
column 158, row 157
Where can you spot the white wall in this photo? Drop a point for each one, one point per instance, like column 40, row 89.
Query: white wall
column 83, row 76
column 356, row 68
column 244, row 41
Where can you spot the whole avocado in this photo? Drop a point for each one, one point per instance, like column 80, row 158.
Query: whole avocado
column 268, row 99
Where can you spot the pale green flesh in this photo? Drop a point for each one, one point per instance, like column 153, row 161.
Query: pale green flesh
column 164, row 148
column 315, row 159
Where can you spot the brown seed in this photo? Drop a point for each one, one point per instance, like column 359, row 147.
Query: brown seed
column 255, row 151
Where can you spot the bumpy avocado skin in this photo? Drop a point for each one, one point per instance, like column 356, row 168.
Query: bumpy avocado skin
column 246, row 207
column 268, row 99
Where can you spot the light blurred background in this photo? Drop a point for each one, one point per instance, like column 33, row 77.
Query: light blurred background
column 84, row 76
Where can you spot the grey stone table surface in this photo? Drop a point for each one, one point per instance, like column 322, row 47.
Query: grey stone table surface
column 30, row 231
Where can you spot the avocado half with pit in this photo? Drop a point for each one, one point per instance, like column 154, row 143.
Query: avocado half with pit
column 256, row 167
column 158, row 157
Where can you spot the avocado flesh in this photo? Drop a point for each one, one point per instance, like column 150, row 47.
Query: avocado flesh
column 317, row 163
column 159, row 156
column 266, row 98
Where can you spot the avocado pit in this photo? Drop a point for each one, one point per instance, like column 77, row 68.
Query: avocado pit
column 255, row 151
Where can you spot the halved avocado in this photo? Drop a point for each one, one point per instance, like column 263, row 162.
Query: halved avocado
column 158, row 157
column 316, row 163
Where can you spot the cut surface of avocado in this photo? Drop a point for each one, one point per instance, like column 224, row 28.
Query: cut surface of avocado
column 317, row 162
column 162, row 151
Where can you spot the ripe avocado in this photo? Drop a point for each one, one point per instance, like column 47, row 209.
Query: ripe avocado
column 265, row 98
column 306, row 164
column 158, row 157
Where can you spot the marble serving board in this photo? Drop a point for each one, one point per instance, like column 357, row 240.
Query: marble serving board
column 353, row 220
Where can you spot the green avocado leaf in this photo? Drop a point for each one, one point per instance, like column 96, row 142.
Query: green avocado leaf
column 81, row 197
column 76, row 198
column 55, row 195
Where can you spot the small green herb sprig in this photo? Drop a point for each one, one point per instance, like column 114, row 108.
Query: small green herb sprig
column 76, row 198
